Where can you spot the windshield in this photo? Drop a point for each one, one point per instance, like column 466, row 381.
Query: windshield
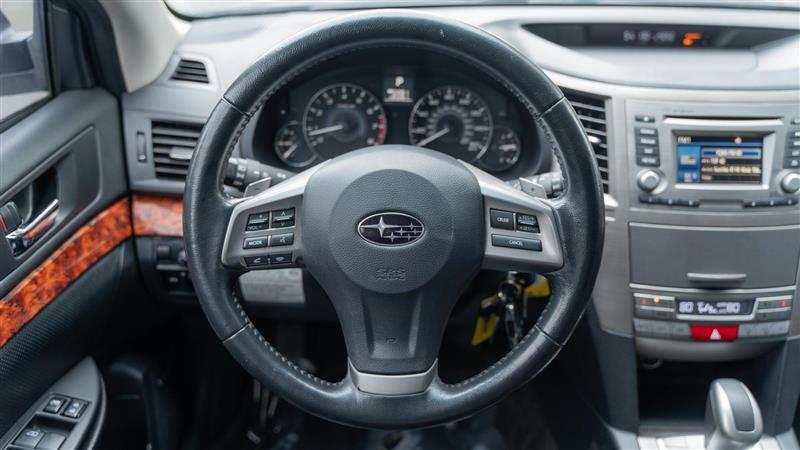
column 212, row 8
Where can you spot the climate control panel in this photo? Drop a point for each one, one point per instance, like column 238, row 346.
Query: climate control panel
column 711, row 318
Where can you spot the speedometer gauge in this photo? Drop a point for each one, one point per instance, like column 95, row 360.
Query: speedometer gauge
column 343, row 117
column 452, row 120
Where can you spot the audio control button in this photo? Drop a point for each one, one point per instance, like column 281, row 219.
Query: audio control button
column 791, row 183
column 652, row 161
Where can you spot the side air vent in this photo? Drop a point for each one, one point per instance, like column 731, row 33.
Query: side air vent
column 173, row 146
column 190, row 70
column 592, row 113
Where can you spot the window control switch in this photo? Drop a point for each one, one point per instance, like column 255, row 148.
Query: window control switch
column 74, row 409
column 55, row 403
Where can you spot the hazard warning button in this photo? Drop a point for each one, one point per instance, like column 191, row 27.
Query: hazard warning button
column 714, row 332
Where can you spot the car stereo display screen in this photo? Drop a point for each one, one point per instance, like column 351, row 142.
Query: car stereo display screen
column 719, row 159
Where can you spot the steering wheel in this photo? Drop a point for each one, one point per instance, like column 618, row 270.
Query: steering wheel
column 393, row 234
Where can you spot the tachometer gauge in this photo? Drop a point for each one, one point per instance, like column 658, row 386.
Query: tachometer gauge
column 452, row 120
column 343, row 117
column 503, row 152
column 290, row 147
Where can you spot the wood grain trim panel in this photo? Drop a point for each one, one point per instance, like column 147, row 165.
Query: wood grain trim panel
column 155, row 215
column 74, row 257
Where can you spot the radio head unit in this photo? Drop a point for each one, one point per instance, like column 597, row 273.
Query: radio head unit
column 719, row 159
column 716, row 157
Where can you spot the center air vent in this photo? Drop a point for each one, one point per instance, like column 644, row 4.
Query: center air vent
column 190, row 70
column 173, row 146
column 592, row 113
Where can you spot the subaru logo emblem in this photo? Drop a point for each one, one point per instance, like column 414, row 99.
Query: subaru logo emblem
column 390, row 228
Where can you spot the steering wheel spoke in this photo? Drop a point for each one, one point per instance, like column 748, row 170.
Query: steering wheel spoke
column 264, row 232
column 521, row 230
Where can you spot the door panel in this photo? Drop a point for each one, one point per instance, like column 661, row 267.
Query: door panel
column 75, row 138
column 58, row 292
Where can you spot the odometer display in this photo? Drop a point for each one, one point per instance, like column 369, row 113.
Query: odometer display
column 343, row 117
column 452, row 120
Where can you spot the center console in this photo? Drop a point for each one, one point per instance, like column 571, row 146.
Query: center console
column 695, row 278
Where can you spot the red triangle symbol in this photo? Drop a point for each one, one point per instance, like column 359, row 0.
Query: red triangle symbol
column 715, row 336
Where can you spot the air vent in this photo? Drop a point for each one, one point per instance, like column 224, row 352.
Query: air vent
column 190, row 70
column 173, row 146
column 592, row 113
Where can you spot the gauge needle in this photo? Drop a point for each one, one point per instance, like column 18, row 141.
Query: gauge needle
column 433, row 137
column 326, row 130
column 290, row 151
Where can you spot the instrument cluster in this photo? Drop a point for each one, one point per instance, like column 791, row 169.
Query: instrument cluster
column 449, row 110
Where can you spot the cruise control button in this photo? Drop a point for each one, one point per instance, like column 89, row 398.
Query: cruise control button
column 281, row 239
column 527, row 219
column 714, row 332
column 280, row 258
column 527, row 229
column 515, row 242
column 55, row 403
column 259, row 242
column 255, row 261
column 501, row 219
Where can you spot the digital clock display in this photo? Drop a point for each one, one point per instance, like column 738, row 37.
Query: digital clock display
column 715, row 307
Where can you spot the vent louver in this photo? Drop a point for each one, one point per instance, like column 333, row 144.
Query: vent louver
column 173, row 146
column 592, row 113
column 190, row 70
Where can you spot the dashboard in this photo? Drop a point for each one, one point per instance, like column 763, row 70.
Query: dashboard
column 403, row 96
column 697, row 142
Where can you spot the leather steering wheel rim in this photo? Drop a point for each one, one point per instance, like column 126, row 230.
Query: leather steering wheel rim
column 578, row 217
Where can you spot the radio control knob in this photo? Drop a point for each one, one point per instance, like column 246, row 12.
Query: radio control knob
column 791, row 183
column 648, row 180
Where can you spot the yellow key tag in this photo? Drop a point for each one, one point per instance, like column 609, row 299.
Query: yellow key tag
column 539, row 288
column 484, row 328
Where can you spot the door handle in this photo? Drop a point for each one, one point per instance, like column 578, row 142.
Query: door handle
column 28, row 234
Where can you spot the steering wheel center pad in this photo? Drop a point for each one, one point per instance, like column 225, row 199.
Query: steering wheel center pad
column 382, row 290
